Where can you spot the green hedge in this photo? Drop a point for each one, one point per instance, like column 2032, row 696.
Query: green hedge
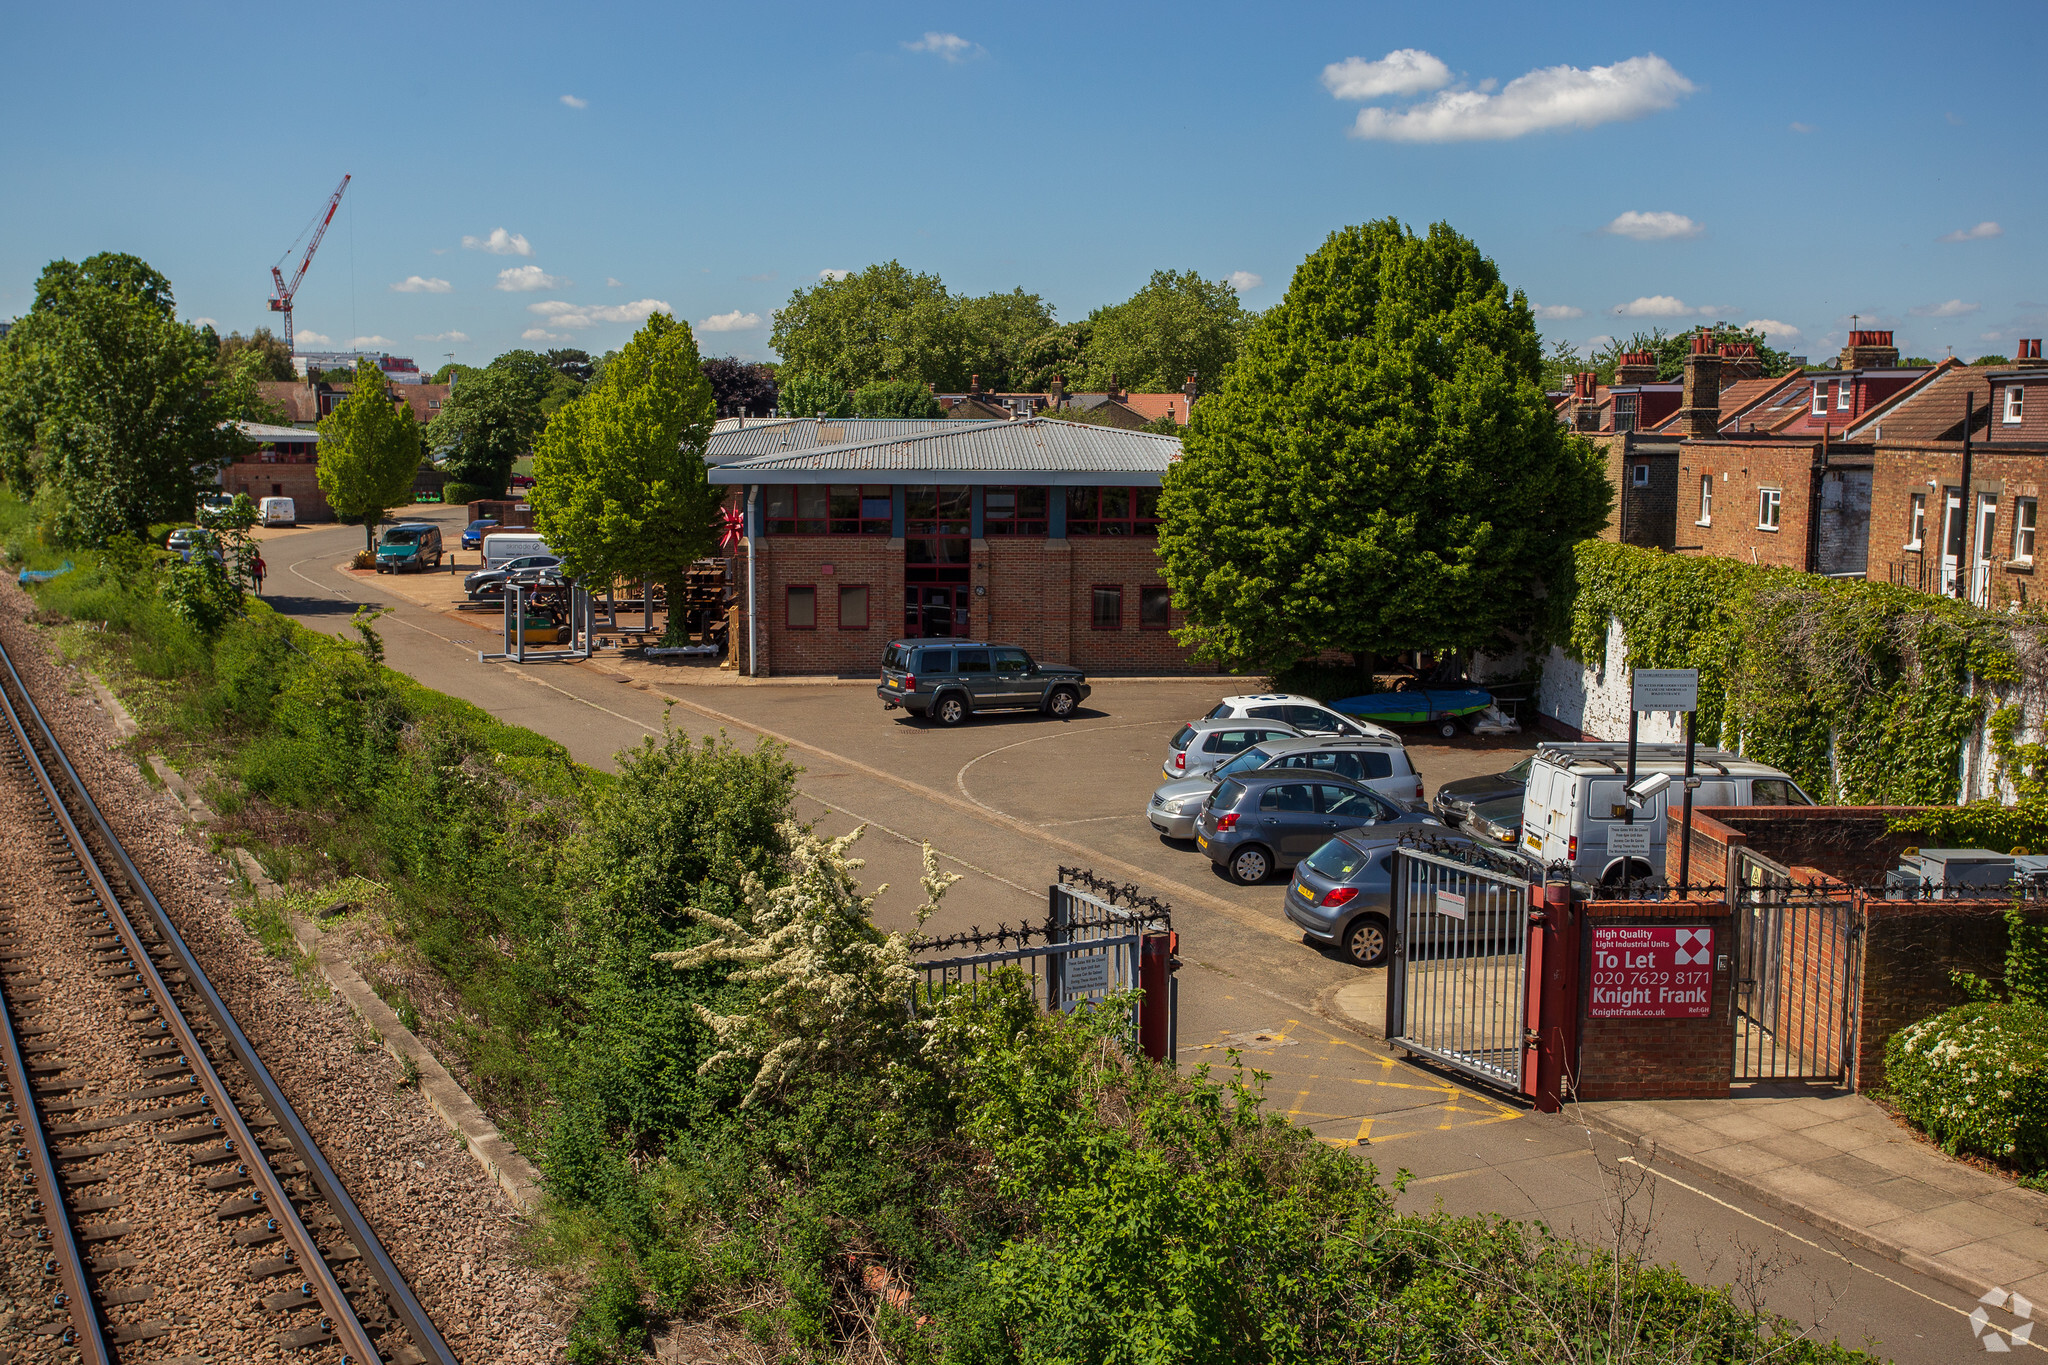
column 453, row 493
column 1975, row 1078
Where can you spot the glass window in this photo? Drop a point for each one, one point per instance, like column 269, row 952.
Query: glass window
column 1112, row 511
column 1252, row 758
column 1278, row 713
column 1820, row 398
column 1233, row 741
column 813, row 509
column 1349, row 803
column 1625, row 412
column 1843, row 396
column 1769, row 501
column 2024, row 512
column 937, row 511
column 972, row 661
column 1641, row 476
column 1180, row 741
column 1375, row 764
column 803, row 606
column 1014, row 511
column 1337, row 859
column 853, row 606
column 1916, row 522
column 1226, row 796
column 1706, row 499
column 935, row 661
column 1108, row 612
column 1012, row 663
column 1776, row 791
column 2015, row 403
column 1297, row 797
column 1218, row 711
column 1154, row 607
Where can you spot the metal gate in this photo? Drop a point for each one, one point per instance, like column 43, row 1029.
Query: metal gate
column 1798, row 975
column 1458, row 988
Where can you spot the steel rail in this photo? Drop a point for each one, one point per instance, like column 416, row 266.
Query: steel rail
column 85, row 1322
column 355, row 1338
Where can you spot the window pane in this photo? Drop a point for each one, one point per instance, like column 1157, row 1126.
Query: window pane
column 1153, row 607
column 921, row 504
column 1116, row 504
column 971, row 661
column 875, row 506
column 803, row 608
column 778, row 500
column 1109, row 608
column 1081, row 511
column 999, row 504
column 1031, row 504
column 1147, row 504
column 853, row 606
column 936, row 661
column 1010, row 662
column 955, row 504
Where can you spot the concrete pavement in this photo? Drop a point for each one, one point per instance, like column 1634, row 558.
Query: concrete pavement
column 1006, row 801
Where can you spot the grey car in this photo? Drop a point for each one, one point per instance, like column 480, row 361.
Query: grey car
column 1379, row 764
column 1259, row 822
column 1202, row 746
column 949, row 680
column 1342, row 897
column 491, row 582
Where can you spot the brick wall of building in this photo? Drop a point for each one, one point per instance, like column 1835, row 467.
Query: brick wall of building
column 1741, row 470
column 1127, row 564
column 299, row 482
column 1911, row 950
column 2005, row 472
column 826, row 564
column 1642, row 1059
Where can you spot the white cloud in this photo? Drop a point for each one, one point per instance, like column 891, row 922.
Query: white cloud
column 442, row 336
column 575, row 103
column 524, row 279
column 828, row 273
column 359, row 343
column 951, row 46
column 316, row 338
column 1654, row 226
column 1976, row 234
column 1241, row 280
column 1554, row 97
column 575, row 316
column 763, row 278
column 414, row 284
column 1776, row 330
column 1800, row 127
column 1404, row 71
column 1954, row 308
column 543, row 334
column 735, row 321
column 1654, row 306
column 1595, row 343
column 204, row 322
column 611, row 283
column 1554, row 312
column 500, row 243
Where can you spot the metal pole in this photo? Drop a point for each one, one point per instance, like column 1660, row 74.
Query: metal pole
column 753, row 547
column 1685, row 838
column 1628, row 809
column 1966, row 503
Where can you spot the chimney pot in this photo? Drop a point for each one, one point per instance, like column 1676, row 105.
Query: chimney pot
column 974, row 384
column 1701, row 414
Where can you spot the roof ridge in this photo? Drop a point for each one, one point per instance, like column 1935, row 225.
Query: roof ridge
column 1946, row 365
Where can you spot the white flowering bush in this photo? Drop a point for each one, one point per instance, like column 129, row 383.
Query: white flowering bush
column 1975, row 1078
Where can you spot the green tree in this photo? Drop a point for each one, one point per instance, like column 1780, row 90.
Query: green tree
column 999, row 332
column 1056, row 353
column 803, row 394
column 1178, row 324
column 273, row 356
column 491, row 418
column 895, row 398
column 1671, row 349
column 369, row 452
column 1380, row 471
column 884, row 322
column 619, row 478
column 109, row 407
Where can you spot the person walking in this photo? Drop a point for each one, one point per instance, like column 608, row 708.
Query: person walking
column 258, row 568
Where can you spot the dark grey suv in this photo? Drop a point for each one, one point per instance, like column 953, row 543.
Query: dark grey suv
column 949, row 680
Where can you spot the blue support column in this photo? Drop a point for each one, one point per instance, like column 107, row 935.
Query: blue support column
column 1056, row 513
column 896, row 511
column 976, row 520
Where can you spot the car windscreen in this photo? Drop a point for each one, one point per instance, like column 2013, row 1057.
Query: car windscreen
column 1227, row 795
column 401, row 536
column 1520, row 772
column 1337, row 859
column 1180, row 742
column 1254, row 757
column 1505, row 810
column 1221, row 710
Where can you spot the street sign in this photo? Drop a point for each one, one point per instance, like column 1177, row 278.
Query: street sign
column 1450, row 903
column 1629, row 840
column 1652, row 972
column 1666, row 689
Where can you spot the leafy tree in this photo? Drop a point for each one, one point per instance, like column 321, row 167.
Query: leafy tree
column 273, row 356
column 1178, row 324
column 1671, row 349
column 238, row 378
column 1056, row 353
column 1991, row 360
column 802, row 394
column 450, row 372
column 369, row 452
column 895, row 398
column 109, row 407
column 1561, row 362
column 619, row 477
column 999, row 332
column 737, row 386
column 572, row 364
column 884, row 322
column 491, row 418
column 1380, row 471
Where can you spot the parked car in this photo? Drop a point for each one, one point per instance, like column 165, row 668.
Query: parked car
column 1202, row 746
column 491, row 582
column 502, row 547
column 538, row 576
column 1256, row 823
column 473, row 534
column 1307, row 715
column 1342, row 895
column 949, row 680
column 1577, row 797
column 278, row 512
column 1455, row 800
column 181, row 541
column 409, row 545
column 1498, row 821
column 1377, row 764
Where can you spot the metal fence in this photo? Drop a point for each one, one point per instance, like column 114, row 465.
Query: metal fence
column 1798, row 975
column 1457, row 979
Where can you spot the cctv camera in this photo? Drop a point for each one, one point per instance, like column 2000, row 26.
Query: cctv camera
column 1645, row 790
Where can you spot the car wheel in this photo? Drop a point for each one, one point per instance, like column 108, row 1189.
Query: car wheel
column 1365, row 942
column 1061, row 703
column 1250, row 865
column 949, row 710
column 1447, row 730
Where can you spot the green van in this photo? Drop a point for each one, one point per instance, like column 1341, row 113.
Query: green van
column 409, row 545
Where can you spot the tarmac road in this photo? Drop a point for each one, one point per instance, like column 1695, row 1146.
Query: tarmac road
column 1007, row 800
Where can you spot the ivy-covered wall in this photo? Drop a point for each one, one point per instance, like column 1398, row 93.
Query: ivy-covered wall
column 1868, row 694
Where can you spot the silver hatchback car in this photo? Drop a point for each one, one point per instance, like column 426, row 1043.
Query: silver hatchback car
column 1379, row 765
column 1202, row 745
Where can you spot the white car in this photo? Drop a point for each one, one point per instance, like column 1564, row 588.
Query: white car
column 1307, row 715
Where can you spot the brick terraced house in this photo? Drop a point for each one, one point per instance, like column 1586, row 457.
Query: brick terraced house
column 1034, row 532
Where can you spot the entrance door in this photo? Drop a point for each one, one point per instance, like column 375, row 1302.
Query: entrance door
column 1980, row 572
column 935, row 610
column 1952, row 526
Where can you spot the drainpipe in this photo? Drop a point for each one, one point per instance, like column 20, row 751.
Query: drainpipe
column 753, row 551
column 1968, row 510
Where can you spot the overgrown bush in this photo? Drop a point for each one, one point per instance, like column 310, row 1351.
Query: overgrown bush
column 1975, row 1078
column 454, row 492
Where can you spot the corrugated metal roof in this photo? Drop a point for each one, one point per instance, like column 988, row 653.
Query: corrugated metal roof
column 264, row 431
column 769, row 436
column 1035, row 445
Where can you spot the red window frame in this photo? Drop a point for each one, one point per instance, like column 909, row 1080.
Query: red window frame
column 1018, row 523
column 867, row 606
column 1147, row 590
column 1095, row 591
column 789, row 593
column 842, row 510
column 1131, row 511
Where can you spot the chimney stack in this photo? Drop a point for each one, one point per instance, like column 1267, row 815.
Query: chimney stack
column 1636, row 367
column 1869, row 351
column 2029, row 350
column 1188, row 392
column 974, row 383
column 1059, row 391
column 1739, row 360
column 1586, row 401
column 1701, row 413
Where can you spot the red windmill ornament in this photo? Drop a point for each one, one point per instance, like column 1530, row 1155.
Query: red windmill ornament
column 732, row 528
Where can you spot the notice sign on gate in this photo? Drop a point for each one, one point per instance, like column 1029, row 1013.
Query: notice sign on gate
column 1652, row 972
column 1086, row 978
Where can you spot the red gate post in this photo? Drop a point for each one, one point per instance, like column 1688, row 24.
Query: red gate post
column 1554, row 988
column 1155, row 1009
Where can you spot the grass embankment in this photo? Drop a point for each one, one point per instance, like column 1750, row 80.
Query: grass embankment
column 756, row 1133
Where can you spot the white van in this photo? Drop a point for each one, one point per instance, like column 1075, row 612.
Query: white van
column 502, row 547
column 1577, row 794
column 278, row 512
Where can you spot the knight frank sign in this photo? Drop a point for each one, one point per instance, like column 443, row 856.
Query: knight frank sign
column 1652, row 972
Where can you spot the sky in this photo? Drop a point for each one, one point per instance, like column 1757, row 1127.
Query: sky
column 527, row 175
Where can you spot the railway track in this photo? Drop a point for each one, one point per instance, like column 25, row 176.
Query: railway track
column 162, row 1200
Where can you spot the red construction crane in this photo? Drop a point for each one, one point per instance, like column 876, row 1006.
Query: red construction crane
column 282, row 303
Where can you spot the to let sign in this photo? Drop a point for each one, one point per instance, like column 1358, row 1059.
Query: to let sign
column 1666, row 689
column 1652, row 972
